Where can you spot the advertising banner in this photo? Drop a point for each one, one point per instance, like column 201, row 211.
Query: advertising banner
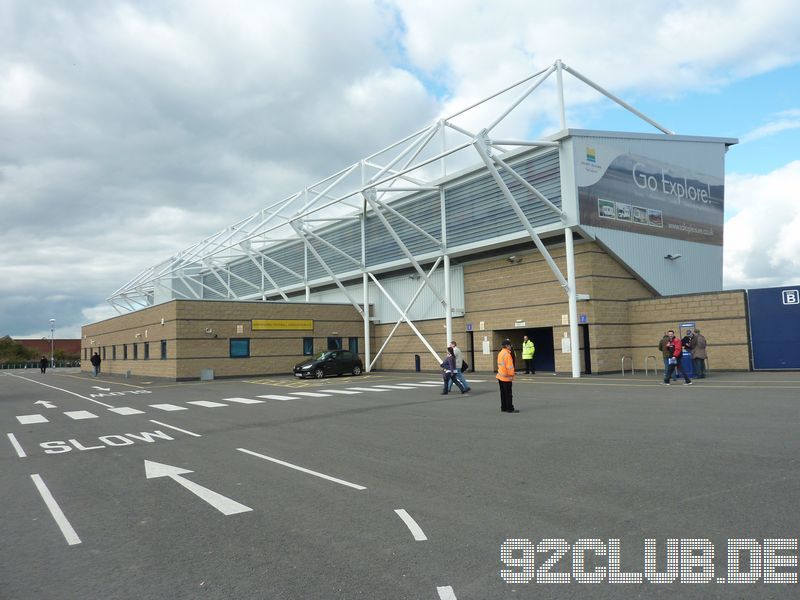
column 653, row 196
column 282, row 325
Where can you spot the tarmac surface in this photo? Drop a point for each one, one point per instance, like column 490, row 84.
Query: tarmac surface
column 338, row 488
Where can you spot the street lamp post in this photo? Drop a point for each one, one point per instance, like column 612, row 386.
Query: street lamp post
column 52, row 341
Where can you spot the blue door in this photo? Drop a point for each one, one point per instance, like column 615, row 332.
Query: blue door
column 774, row 315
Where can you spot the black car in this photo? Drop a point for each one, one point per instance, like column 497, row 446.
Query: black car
column 332, row 362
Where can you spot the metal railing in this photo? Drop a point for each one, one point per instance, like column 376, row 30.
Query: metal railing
column 34, row 364
column 655, row 365
column 622, row 363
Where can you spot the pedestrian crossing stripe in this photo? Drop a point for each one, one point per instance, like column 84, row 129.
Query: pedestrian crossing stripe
column 127, row 410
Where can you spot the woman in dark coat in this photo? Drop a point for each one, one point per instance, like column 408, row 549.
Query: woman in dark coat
column 449, row 366
column 43, row 364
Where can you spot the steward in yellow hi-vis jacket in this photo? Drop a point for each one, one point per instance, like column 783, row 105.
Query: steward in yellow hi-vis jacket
column 528, row 350
column 505, row 376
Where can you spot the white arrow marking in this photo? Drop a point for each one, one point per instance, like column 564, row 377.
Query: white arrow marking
column 446, row 592
column 224, row 505
column 45, row 404
column 97, row 387
column 412, row 525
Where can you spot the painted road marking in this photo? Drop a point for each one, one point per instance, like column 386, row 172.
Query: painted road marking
column 126, row 410
column 340, row 392
column 13, row 439
column 61, row 520
column 168, row 407
column 107, row 441
column 310, row 394
column 223, row 504
column 446, row 592
column 243, row 400
column 80, row 414
column 30, row 419
column 206, row 403
column 277, row 397
column 360, row 389
column 432, row 382
column 303, row 469
column 395, row 387
column 422, row 384
column 176, row 428
column 62, row 390
column 415, row 529
column 45, row 404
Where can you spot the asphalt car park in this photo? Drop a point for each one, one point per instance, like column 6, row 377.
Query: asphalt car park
column 378, row 487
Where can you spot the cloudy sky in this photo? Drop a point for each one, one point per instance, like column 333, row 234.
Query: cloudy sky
column 130, row 130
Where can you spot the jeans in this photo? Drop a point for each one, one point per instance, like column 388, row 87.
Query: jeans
column 666, row 369
column 699, row 367
column 96, row 370
column 460, row 376
column 673, row 369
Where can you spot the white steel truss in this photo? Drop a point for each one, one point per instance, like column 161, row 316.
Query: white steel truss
column 371, row 187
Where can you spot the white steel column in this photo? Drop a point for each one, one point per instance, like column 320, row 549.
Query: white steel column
column 305, row 273
column 560, row 85
column 448, row 319
column 448, row 309
column 365, row 284
column 573, row 304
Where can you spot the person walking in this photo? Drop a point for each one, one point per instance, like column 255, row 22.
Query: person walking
column 449, row 373
column 674, row 347
column 528, row 349
column 505, row 377
column 699, row 354
column 459, row 374
column 95, row 360
column 662, row 346
column 43, row 364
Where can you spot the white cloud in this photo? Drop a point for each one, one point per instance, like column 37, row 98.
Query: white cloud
column 762, row 247
column 134, row 129
column 782, row 121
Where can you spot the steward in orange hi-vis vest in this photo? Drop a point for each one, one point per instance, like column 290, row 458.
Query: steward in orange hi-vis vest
column 505, row 365
column 505, row 377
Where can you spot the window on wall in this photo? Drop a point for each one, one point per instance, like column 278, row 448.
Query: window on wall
column 163, row 349
column 147, row 350
column 352, row 345
column 240, row 348
column 114, row 352
column 308, row 346
column 135, row 351
column 125, row 351
column 104, row 352
column 334, row 343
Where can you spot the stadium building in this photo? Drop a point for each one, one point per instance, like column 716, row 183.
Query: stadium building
column 592, row 243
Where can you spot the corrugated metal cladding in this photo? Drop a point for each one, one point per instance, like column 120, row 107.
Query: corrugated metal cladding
column 250, row 273
column 346, row 238
column 475, row 210
column 423, row 211
column 699, row 268
column 188, row 288
column 290, row 256
column 402, row 289
column 217, row 290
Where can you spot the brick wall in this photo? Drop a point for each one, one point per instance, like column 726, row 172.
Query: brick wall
column 190, row 348
column 720, row 317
